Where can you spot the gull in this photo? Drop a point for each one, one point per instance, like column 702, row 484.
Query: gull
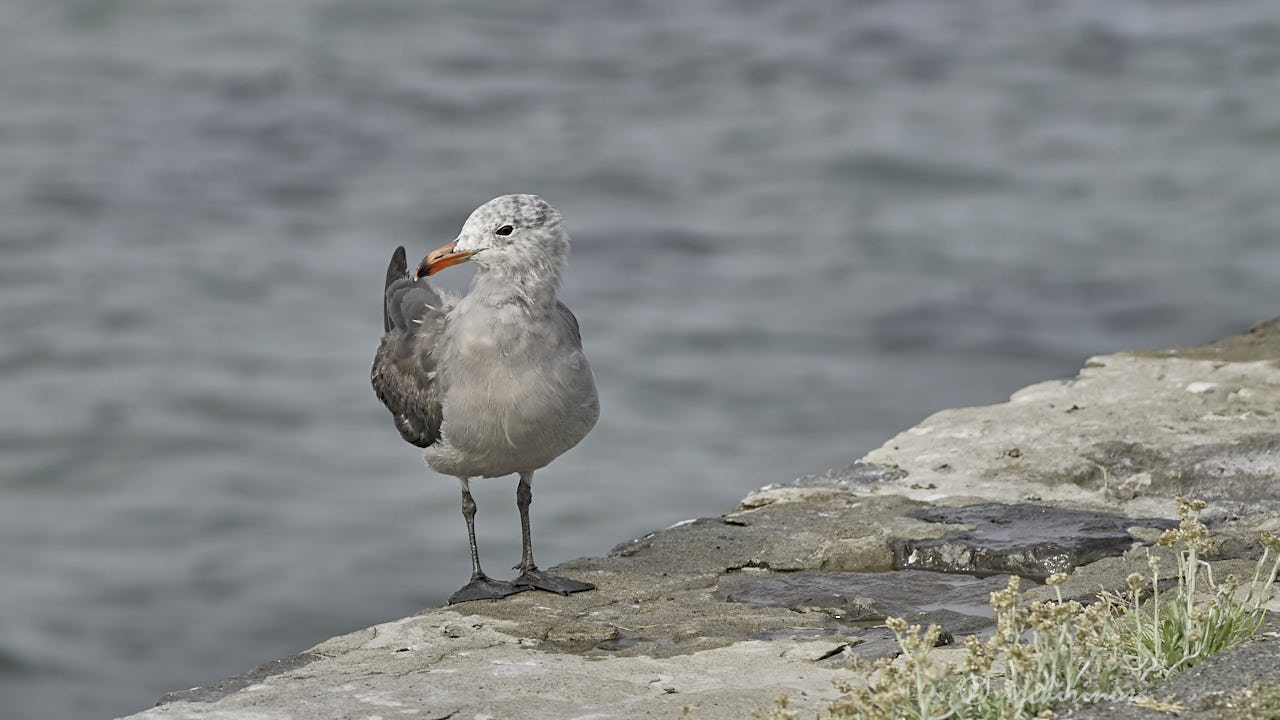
column 494, row 383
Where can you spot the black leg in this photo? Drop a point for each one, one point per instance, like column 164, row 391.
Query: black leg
column 530, row 575
column 481, row 587
column 524, row 498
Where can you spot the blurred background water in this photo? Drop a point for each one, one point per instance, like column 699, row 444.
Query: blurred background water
column 799, row 228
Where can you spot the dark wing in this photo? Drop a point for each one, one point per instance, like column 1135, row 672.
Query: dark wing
column 571, row 321
column 404, row 368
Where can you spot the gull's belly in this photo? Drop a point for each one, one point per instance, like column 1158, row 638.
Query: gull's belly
column 503, row 414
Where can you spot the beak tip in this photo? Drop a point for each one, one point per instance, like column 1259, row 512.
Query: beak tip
column 440, row 259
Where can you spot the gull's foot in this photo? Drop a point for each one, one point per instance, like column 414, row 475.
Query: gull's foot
column 535, row 578
column 485, row 588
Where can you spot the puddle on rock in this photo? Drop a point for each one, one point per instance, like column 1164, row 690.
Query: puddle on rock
column 861, row 601
column 619, row 643
column 957, row 603
column 1033, row 541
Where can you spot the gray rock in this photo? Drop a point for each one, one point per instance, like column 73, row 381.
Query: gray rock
column 956, row 602
column 1127, row 434
column 853, row 474
column 785, row 592
column 1031, row 541
column 219, row 690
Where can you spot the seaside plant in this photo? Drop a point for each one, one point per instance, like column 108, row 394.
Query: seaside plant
column 1047, row 654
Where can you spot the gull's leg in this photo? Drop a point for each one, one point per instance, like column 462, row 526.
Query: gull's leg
column 530, row 575
column 481, row 587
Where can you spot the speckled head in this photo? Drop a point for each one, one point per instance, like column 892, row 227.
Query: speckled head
column 511, row 235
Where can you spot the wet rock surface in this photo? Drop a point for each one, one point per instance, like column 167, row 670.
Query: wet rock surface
column 786, row 591
column 1031, row 541
column 956, row 602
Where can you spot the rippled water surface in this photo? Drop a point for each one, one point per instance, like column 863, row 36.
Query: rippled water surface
column 799, row 228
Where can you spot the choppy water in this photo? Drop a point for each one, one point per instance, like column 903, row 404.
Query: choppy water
column 799, row 227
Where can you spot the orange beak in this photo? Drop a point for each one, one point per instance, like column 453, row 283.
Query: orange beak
column 441, row 258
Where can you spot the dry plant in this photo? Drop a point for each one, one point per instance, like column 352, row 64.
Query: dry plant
column 1046, row 654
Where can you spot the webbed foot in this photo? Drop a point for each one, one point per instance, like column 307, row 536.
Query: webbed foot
column 484, row 587
column 537, row 579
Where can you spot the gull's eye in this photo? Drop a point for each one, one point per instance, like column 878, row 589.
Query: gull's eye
column 504, row 230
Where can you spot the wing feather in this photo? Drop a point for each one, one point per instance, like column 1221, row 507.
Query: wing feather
column 404, row 367
column 571, row 321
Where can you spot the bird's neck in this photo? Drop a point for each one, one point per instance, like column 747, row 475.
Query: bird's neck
column 534, row 290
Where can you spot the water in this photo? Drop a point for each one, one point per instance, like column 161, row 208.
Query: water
column 799, row 228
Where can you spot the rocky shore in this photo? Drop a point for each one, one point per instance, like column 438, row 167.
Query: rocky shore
column 784, row 593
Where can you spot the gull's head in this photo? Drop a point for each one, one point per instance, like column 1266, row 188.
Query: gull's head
column 512, row 234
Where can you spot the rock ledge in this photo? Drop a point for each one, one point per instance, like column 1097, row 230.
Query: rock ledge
column 783, row 593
